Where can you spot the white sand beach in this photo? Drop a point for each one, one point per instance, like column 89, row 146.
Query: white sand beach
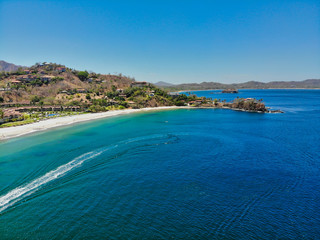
column 11, row 132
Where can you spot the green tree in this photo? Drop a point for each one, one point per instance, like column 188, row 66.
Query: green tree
column 83, row 75
column 1, row 114
column 110, row 95
column 35, row 99
column 88, row 96
column 1, row 100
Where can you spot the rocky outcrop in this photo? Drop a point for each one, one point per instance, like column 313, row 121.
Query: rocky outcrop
column 230, row 90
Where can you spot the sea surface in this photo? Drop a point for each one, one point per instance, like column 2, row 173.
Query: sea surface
column 175, row 174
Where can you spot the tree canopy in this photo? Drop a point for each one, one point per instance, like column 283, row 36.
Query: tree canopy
column 83, row 75
column 35, row 99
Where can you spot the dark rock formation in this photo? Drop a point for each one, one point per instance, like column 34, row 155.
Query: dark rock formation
column 229, row 90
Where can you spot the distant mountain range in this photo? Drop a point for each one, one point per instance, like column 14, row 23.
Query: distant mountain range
column 309, row 83
column 9, row 67
column 163, row 84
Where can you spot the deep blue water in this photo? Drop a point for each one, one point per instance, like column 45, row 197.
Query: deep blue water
column 177, row 174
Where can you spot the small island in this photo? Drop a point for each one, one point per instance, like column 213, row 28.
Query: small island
column 230, row 90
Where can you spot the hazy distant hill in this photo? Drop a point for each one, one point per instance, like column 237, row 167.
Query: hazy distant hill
column 309, row 83
column 163, row 84
column 8, row 67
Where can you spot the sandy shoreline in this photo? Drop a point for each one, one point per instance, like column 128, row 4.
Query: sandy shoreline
column 12, row 132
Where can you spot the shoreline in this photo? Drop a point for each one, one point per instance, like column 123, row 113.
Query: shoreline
column 18, row 131
column 13, row 132
column 179, row 91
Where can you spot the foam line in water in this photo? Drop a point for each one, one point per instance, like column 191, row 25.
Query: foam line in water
column 18, row 193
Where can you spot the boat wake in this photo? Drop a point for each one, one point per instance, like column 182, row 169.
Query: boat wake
column 26, row 190
column 21, row 192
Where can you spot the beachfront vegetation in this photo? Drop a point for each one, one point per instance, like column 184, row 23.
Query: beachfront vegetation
column 17, row 123
column 46, row 87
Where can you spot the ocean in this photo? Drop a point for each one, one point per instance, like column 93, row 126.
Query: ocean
column 174, row 174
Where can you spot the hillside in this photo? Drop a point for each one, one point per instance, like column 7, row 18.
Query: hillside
column 9, row 67
column 309, row 83
column 57, row 84
column 47, row 90
column 54, row 87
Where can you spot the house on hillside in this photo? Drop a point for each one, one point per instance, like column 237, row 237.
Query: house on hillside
column 82, row 90
column 112, row 102
column 46, row 78
column 15, row 82
column 139, row 84
column 27, row 71
column 120, row 90
column 195, row 103
column 5, row 89
column 27, row 78
column 173, row 94
column 151, row 93
column 61, row 69
column 65, row 92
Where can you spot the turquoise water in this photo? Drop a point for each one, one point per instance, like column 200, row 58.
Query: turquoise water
column 180, row 174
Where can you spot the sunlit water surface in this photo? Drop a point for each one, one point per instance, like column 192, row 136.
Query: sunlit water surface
column 180, row 174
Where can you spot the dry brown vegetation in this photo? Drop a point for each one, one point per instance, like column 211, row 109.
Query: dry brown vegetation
column 68, row 80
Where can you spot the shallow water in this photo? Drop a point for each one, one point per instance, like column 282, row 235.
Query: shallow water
column 181, row 174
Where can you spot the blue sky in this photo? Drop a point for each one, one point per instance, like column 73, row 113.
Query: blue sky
column 173, row 41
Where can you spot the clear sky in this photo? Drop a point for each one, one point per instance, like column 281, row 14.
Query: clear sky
column 173, row 41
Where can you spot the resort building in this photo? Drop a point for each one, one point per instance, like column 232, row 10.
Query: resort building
column 81, row 90
column 61, row 69
column 139, row 84
column 28, row 78
column 46, row 78
column 173, row 94
column 5, row 89
column 11, row 114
